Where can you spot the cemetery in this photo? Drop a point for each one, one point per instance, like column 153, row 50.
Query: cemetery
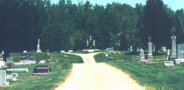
column 87, row 45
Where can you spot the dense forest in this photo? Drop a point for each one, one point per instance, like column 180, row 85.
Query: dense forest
column 66, row 25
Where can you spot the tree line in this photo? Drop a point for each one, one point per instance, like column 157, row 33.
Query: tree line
column 66, row 25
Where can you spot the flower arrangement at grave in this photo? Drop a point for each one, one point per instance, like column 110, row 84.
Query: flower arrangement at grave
column 9, row 64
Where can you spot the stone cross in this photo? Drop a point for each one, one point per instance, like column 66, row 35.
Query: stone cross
column 173, row 30
column 149, row 38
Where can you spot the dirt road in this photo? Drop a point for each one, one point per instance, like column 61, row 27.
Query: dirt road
column 97, row 76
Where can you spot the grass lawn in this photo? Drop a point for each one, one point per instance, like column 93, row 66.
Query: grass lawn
column 59, row 72
column 153, row 75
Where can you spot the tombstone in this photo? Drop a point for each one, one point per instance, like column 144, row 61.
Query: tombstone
column 42, row 61
column 62, row 51
column 38, row 47
column 150, row 55
column 106, row 55
column 41, row 70
column 164, row 48
column 110, row 58
column 10, row 78
column 48, row 53
column 111, row 49
column 25, row 51
column 3, row 78
column 27, row 58
column 2, row 52
column 2, row 64
column 21, row 63
column 142, row 57
column 173, row 45
column 131, row 48
column 9, row 59
column 180, row 54
column 168, row 54
column 169, row 63
column 17, row 70
column 70, row 51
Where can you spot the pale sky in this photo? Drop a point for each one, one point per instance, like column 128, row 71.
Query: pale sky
column 174, row 4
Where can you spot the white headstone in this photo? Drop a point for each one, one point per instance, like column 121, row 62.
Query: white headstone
column 2, row 52
column 3, row 78
column 150, row 55
column 24, row 51
column 142, row 54
column 62, row 51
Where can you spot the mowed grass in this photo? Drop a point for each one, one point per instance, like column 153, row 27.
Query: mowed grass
column 48, row 82
column 153, row 75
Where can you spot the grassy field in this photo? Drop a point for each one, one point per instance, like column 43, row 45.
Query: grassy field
column 154, row 75
column 59, row 72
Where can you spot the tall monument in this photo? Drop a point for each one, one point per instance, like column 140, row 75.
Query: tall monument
column 150, row 55
column 173, row 45
column 38, row 47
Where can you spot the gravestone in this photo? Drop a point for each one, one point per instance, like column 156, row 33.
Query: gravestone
column 28, row 58
column 164, row 48
column 2, row 64
column 3, row 78
column 2, row 52
column 169, row 63
column 42, row 61
column 131, row 48
column 21, row 63
column 17, row 70
column 25, row 51
column 142, row 57
column 41, row 70
column 138, row 49
column 9, row 59
column 180, row 54
column 150, row 55
column 111, row 49
column 70, row 51
column 173, row 45
column 62, row 51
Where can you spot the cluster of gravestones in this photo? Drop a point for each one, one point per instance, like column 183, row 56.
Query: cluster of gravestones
column 26, row 59
column 110, row 50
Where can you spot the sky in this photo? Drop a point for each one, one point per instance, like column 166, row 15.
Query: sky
column 173, row 4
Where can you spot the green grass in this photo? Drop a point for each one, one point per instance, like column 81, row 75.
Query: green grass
column 150, row 75
column 48, row 82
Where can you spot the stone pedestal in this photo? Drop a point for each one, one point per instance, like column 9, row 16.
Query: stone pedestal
column 173, row 51
column 142, row 57
column 150, row 55
column 38, row 49
column 3, row 78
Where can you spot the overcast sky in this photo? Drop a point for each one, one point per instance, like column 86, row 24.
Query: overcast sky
column 174, row 4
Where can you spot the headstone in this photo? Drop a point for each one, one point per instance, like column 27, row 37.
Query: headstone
column 42, row 61
column 38, row 47
column 62, row 51
column 173, row 45
column 9, row 59
column 142, row 57
column 111, row 49
column 106, row 55
column 25, row 51
column 21, row 63
column 168, row 54
column 70, row 51
column 164, row 48
column 169, row 63
column 180, row 54
column 28, row 58
column 17, row 70
column 2, row 64
column 131, row 48
column 110, row 58
column 41, row 70
column 12, row 77
column 150, row 55
column 2, row 52
column 3, row 78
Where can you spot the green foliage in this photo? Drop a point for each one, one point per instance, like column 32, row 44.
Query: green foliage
column 67, row 26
